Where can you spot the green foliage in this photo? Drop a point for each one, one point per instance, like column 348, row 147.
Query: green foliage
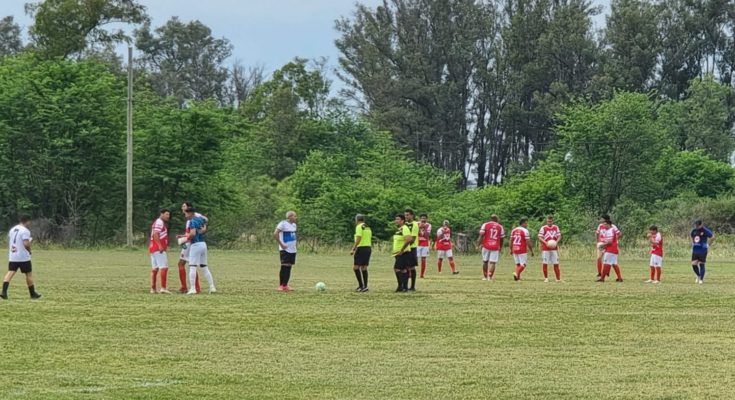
column 65, row 27
column 10, row 37
column 683, row 171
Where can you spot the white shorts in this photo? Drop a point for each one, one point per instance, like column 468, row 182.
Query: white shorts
column 550, row 257
column 422, row 251
column 610, row 259
column 444, row 253
column 159, row 260
column 656, row 261
column 184, row 255
column 521, row 259
column 490, row 255
column 198, row 254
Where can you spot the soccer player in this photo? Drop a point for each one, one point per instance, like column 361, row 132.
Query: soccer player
column 600, row 250
column 700, row 234
column 657, row 253
column 285, row 235
column 609, row 244
column 413, row 226
column 402, row 252
column 157, row 247
column 491, row 240
column 424, row 238
column 198, row 253
column 520, row 244
column 184, row 255
column 549, row 254
column 19, row 256
column 361, row 252
column 443, row 246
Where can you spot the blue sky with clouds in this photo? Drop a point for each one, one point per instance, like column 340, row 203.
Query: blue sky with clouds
column 270, row 33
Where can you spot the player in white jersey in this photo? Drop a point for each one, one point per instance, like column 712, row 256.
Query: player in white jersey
column 285, row 235
column 19, row 256
column 184, row 255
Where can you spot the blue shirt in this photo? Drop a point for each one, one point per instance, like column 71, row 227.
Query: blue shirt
column 699, row 239
column 197, row 223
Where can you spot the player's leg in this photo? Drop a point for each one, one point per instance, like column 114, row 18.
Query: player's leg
column 599, row 261
column 492, row 263
column 358, row 274
column 652, row 269
column 194, row 262
column 452, row 265
column 12, row 269
column 182, row 273
column 702, row 268
column 658, row 274
column 154, row 273
column 364, row 272
column 618, row 274
column 485, row 259
column 545, row 264
column 27, row 269
column 557, row 267
column 440, row 254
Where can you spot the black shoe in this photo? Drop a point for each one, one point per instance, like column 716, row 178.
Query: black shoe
column 36, row 296
column 4, row 296
column 399, row 290
column 597, row 276
column 515, row 277
column 599, row 279
column 359, row 289
column 455, row 273
column 619, row 280
column 413, row 289
column 364, row 290
column 404, row 290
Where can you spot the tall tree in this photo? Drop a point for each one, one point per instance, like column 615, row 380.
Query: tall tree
column 10, row 39
column 63, row 28
column 184, row 60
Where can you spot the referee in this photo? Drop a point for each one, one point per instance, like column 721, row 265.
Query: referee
column 361, row 251
column 402, row 252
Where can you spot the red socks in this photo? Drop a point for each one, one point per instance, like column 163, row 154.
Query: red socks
column 452, row 266
column 557, row 272
column 546, row 270
column 164, row 278
column 182, row 276
column 653, row 274
column 599, row 267
column 154, row 274
column 519, row 270
column 439, row 265
column 423, row 266
column 658, row 274
column 617, row 271
column 605, row 271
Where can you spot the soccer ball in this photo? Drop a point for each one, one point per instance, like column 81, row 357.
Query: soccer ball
column 320, row 286
column 551, row 244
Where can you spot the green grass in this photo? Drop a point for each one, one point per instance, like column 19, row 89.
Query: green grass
column 98, row 334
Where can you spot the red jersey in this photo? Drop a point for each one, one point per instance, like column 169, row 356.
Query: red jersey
column 159, row 227
column 519, row 238
column 657, row 245
column 547, row 233
column 610, row 237
column 601, row 227
column 444, row 239
column 424, row 232
column 492, row 235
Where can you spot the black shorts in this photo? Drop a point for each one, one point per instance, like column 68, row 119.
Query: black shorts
column 414, row 258
column 701, row 257
column 24, row 266
column 403, row 261
column 362, row 256
column 288, row 258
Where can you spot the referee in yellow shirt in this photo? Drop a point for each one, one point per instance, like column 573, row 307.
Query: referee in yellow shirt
column 361, row 252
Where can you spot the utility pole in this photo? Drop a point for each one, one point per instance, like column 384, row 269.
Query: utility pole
column 129, row 206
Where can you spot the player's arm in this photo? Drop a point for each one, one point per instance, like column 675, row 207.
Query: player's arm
column 157, row 240
column 711, row 236
column 358, row 239
column 407, row 240
column 27, row 244
column 529, row 244
column 277, row 236
column 479, row 239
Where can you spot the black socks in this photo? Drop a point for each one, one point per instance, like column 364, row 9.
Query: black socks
column 358, row 275
column 285, row 274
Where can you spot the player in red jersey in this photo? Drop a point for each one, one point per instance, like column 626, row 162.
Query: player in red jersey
column 598, row 234
column 657, row 253
column 549, row 253
column 520, row 245
column 609, row 244
column 422, row 251
column 157, row 247
column 491, row 240
column 443, row 246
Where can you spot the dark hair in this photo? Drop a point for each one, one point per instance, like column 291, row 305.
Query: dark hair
column 410, row 211
column 549, row 216
column 653, row 228
column 24, row 218
column 494, row 218
column 188, row 204
column 424, row 215
column 401, row 216
column 606, row 218
column 164, row 210
column 190, row 210
column 698, row 222
column 359, row 218
column 522, row 221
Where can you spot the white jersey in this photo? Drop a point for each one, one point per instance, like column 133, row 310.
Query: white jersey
column 287, row 235
column 17, row 251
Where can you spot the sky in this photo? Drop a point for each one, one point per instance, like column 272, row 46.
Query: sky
column 268, row 33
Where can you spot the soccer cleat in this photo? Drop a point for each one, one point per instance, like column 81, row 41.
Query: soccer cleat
column 154, row 291
column 600, row 279
column 183, row 290
column 700, row 281
column 359, row 289
column 619, row 280
column 282, row 288
column 287, row 288
column 413, row 289
column 656, row 282
column 546, row 280
column 399, row 290
column 191, row 291
column 455, row 273
column 36, row 296
column 365, row 290
column 212, row 290
column 164, row 291
column 649, row 281
column 4, row 296
column 559, row 281
column 515, row 277
column 484, row 278
column 696, row 280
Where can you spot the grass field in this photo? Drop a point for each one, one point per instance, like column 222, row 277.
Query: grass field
column 97, row 333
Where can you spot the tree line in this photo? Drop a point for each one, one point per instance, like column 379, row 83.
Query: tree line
column 522, row 98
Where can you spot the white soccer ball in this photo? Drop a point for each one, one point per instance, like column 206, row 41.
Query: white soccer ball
column 551, row 244
column 320, row 286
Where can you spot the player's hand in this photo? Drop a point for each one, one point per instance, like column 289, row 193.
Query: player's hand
column 352, row 252
column 283, row 246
